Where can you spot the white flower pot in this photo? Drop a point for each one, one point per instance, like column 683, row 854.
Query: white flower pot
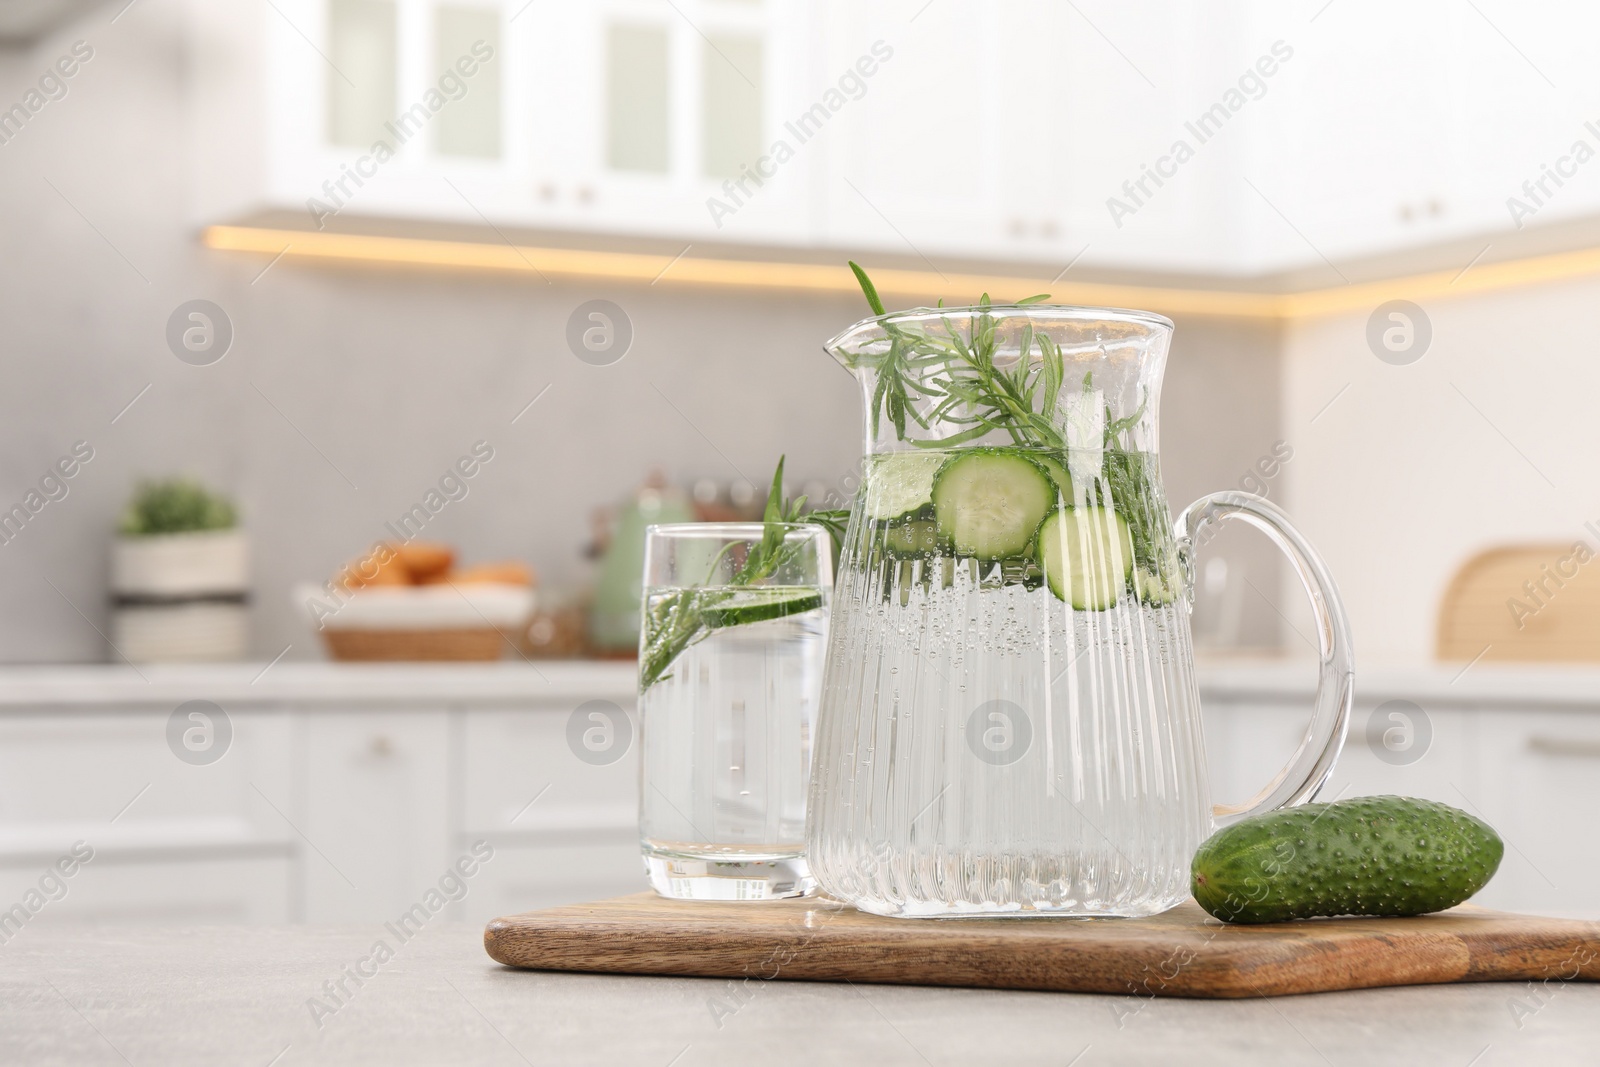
column 181, row 564
column 181, row 633
column 181, row 596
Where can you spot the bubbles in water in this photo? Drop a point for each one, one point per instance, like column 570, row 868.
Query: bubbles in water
column 929, row 830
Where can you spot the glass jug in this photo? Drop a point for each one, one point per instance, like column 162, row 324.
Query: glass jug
column 1009, row 722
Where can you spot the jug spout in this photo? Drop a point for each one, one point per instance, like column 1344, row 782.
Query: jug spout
column 857, row 347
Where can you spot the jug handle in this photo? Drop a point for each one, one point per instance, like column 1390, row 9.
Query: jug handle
column 1313, row 761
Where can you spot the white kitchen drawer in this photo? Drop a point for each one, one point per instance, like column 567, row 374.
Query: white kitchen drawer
column 1542, row 792
column 1434, row 755
column 1248, row 743
column 374, row 812
column 513, row 757
column 111, row 779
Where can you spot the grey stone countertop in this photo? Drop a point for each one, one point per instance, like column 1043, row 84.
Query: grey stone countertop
column 240, row 995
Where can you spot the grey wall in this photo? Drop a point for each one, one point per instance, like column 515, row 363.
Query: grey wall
column 383, row 378
column 1221, row 423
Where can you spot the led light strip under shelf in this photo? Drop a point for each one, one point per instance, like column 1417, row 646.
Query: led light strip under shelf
column 916, row 284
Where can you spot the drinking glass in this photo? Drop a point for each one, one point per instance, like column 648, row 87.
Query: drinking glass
column 735, row 624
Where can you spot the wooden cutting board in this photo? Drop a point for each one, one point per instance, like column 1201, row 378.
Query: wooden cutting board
column 1182, row 953
column 1535, row 603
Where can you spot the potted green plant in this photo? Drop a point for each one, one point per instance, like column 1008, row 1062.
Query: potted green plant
column 180, row 575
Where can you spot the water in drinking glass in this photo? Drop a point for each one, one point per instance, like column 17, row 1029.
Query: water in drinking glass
column 730, row 678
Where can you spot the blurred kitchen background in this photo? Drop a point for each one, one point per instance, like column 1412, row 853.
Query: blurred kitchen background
column 316, row 259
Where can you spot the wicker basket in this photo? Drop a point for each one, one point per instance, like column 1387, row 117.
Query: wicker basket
column 457, row 643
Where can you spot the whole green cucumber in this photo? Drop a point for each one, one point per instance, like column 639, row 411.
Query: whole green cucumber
column 1365, row 856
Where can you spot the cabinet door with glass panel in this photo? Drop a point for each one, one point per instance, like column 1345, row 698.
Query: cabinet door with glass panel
column 629, row 116
column 670, row 118
column 395, row 108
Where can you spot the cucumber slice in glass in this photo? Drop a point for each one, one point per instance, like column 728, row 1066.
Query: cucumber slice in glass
column 912, row 539
column 1057, row 471
column 988, row 502
column 760, row 604
column 899, row 483
column 1086, row 555
column 1152, row 588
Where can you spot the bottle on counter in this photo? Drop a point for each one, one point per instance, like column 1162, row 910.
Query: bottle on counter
column 614, row 618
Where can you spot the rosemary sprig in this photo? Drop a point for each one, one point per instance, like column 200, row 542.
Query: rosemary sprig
column 671, row 625
column 834, row 520
column 954, row 369
column 677, row 621
column 958, row 368
column 891, row 395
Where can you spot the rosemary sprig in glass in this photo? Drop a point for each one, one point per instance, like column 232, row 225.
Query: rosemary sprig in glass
column 952, row 373
column 676, row 621
column 959, row 375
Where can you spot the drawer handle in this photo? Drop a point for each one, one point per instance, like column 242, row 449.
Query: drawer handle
column 1564, row 746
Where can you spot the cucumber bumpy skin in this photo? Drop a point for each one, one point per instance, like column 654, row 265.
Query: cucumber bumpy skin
column 1366, row 856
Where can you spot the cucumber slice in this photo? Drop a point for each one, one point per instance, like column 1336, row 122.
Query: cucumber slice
column 1086, row 555
column 899, row 483
column 1152, row 588
column 760, row 604
column 1058, row 474
column 914, row 539
column 988, row 502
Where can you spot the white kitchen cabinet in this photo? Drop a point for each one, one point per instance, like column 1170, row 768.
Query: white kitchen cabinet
column 911, row 129
column 519, row 139
column 986, row 133
column 373, row 812
column 1083, row 121
column 168, row 838
column 387, row 799
column 386, row 776
column 1508, row 754
column 1444, row 767
column 1544, row 797
column 671, row 113
column 122, row 769
column 996, row 132
column 912, row 164
column 431, row 120
column 526, row 780
column 564, row 829
column 1351, row 170
column 1247, row 744
column 1372, row 142
column 343, row 794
